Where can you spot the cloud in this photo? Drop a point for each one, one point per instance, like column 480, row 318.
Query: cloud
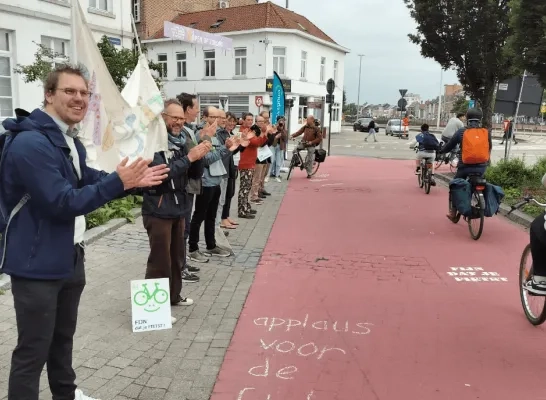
column 379, row 29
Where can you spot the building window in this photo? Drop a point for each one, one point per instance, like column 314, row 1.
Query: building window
column 103, row 5
column 181, row 65
column 303, row 74
column 136, row 10
column 279, row 60
column 238, row 105
column 335, row 70
column 58, row 47
column 162, row 61
column 210, row 64
column 335, row 112
column 6, row 74
column 240, row 62
column 322, row 69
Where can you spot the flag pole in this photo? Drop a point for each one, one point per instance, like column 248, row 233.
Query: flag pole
column 136, row 34
column 74, row 48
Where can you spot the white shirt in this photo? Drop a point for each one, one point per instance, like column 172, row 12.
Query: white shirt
column 453, row 125
column 79, row 223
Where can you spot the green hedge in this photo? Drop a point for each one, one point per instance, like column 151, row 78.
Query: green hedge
column 518, row 179
column 120, row 208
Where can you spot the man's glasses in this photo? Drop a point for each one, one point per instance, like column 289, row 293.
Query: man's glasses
column 85, row 94
column 176, row 119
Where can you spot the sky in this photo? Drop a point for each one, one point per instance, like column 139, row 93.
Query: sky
column 379, row 30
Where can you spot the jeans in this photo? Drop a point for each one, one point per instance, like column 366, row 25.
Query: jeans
column 167, row 251
column 222, row 201
column 371, row 132
column 46, row 313
column 206, row 205
column 230, row 192
column 277, row 161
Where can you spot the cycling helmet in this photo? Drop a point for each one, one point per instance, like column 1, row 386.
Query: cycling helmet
column 473, row 114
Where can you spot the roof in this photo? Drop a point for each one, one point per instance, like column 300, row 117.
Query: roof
column 245, row 18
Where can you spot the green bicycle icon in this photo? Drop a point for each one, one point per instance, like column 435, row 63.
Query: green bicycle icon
column 142, row 297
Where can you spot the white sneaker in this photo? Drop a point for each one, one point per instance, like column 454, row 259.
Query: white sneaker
column 186, row 301
column 278, row 179
column 173, row 320
column 266, row 179
column 80, row 396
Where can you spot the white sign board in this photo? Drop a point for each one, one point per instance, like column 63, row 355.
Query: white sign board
column 151, row 305
column 503, row 86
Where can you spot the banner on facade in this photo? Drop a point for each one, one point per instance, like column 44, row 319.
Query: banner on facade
column 190, row 35
column 277, row 99
column 113, row 128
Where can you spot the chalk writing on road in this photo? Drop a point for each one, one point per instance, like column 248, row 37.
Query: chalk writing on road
column 474, row 274
column 312, row 350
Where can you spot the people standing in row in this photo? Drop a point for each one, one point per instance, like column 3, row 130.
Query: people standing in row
column 164, row 207
column 47, row 189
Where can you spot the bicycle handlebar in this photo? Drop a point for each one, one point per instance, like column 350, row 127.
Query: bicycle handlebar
column 526, row 200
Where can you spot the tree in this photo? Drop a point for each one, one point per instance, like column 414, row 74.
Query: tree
column 469, row 36
column 527, row 45
column 460, row 105
column 350, row 109
column 120, row 63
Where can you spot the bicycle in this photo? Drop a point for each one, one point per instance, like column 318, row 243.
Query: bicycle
column 297, row 161
column 424, row 177
column 142, row 297
column 450, row 158
column 477, row 204
column 526, row 274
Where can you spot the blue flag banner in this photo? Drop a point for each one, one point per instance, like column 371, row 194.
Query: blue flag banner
column 277, row 99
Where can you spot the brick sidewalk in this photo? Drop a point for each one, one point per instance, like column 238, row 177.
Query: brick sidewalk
column 111, row 362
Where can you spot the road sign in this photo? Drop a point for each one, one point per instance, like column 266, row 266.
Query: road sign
column 403, row 92
column 330, row 86
column 402, row 103
column 151, row 306
column 471, row 103
column 259, row 101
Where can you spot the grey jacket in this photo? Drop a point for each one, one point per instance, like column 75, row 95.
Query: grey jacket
column 219, row 152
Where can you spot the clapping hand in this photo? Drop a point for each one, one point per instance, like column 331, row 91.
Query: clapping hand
column 139, row 174
column 199, row 151
column 209, row 129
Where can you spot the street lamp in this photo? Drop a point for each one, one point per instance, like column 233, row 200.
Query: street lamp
column 359, row 76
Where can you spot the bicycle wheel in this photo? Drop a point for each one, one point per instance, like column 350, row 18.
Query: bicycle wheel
column 427, row 179
column 316, row 166
column 291, row 168
column 141, row 298
column 475, row 221
column 534, row 306
column 457, row 215
column 161, row 296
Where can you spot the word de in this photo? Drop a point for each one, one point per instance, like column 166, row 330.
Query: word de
column 263, row 371
column 305, row 350
column 474, row 274
column 359, row 328
column 242, row 393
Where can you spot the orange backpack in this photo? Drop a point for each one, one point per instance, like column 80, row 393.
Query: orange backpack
column 475, row 146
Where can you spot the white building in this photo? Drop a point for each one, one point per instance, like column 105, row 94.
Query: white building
column 303, row 56
column 25, row 23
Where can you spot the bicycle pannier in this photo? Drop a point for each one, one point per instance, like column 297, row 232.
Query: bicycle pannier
column 493, row 196
column 475, row 146
column 320, row 155
column 461, row 194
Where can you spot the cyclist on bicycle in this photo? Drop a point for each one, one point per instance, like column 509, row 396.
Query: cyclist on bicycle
column 428, row 144
column 475, row 146
column 311, row 138
column 453, row 125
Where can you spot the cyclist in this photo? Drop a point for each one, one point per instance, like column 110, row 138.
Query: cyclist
column 428, row 144
column 475, row 158
column 453, row 125
column 538, row 243
column 311, row 138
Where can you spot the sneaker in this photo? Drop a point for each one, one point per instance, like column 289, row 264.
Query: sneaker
column 262, row 196
column 538, row 288
column 266, row 179
column 189, row 277
column 278, row 179
column 182, row 301
column 78, row 395
column 197, row 256
column 173, row 320
column 257, row 202
column 247, row 216
column 252, row 212
column 192, row 269
column 308, row 176
column 218, row 251
column 266, row 193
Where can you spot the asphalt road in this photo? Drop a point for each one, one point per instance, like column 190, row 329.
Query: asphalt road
column 349, row 143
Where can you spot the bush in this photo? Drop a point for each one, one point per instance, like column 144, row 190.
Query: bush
column 119, row 208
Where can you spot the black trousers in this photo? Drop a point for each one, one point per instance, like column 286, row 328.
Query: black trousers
column 538, row 245
column 206, row 206
column 230, row 192
column 46, row 314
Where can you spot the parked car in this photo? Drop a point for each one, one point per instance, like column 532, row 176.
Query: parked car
column 361, row 124
column 395, row 128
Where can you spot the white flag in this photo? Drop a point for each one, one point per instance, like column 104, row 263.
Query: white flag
column 113, row 127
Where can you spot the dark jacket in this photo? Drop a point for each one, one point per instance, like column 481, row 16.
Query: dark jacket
column 170, row 200
column 457, row 139
column 371, row 125
column 311, row 134
column 39, row 242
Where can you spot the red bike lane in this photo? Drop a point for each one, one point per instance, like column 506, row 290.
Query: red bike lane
column 366, row 291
